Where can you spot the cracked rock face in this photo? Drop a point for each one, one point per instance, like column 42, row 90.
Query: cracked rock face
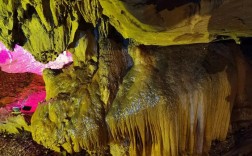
column 128, row 91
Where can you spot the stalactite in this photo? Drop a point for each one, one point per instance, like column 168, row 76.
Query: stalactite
column 170, row 104
column 45, row 28
column 114, row 61
column 90, row 10
column 6, row 24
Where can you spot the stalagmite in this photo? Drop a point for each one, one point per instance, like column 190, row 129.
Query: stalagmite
column 77, row 99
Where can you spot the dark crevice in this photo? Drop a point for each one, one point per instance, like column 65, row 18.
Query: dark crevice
column 47, row 12
column 170, row 4
column 80, row 32
column 83, row 25
column 246, row 47
column 219, row 38
column 117, row 37
column 17, row 32
column 63, row 16
column 27, row 108
column 56, row 72
column 29, row 12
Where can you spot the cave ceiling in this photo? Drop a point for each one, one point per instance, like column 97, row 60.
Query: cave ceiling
column 51, row 26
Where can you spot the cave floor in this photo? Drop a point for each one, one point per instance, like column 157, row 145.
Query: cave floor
column 22, row 144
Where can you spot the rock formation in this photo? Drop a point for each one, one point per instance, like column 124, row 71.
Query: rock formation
column 149, row 77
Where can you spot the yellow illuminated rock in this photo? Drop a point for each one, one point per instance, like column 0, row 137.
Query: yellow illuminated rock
column 144, row 79
column 74, row 115
column 174, row 100
column 185, row 24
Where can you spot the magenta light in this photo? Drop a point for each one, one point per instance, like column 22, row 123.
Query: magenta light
column 21, row 61
column 31, row 101
column 4, row 56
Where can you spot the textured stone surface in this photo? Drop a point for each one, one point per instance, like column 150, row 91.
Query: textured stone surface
column 174, row 100
column 184, row 24
column 45, row 28
column 48, row 27
column 77, row 98
column 157, row 100
column 150, row 112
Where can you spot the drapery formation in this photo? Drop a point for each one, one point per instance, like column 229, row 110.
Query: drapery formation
column 151, row 113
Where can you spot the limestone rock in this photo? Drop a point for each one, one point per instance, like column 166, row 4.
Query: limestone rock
column 7, row 21
column 186, row 23
column 74, row 115
column 174, row 101
column 160, row 100
column 45, row 28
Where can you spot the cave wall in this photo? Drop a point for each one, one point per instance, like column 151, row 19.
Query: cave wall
column 174, row 100
column 128, row 90
column 45, row 28
column 144, row 111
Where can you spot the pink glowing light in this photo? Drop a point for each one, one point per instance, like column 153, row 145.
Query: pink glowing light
column 4, row 56
column 28, row 105
column 21, row 61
